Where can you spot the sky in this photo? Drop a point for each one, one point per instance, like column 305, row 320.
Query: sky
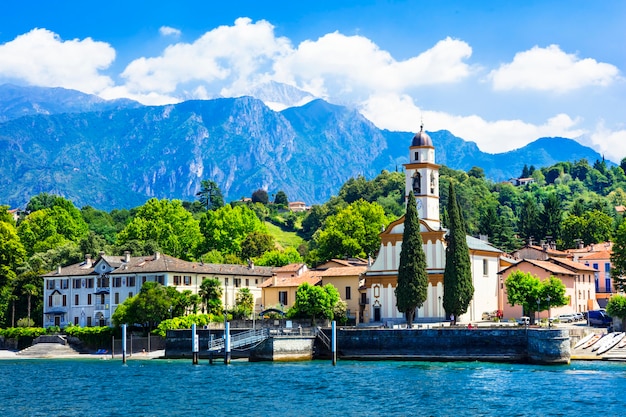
column 499, row 73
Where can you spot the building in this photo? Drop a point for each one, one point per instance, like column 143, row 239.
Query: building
column 422, row 177
column 279, row 291
column 297, row 206
column 347, row 276
column 576, row 277
column 541, row 252
column 598, row 257
column 88, row 293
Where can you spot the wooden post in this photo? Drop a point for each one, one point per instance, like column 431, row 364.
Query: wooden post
column 333, row 342
column 112, row 347
column 194, row 344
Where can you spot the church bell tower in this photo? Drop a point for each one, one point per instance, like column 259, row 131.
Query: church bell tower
column 422, row 177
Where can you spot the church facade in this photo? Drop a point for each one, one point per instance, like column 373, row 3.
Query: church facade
column 422, row 177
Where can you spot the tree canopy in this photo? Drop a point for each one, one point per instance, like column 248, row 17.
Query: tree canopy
column 315, row 301
column 458, row 288
column 411, row 290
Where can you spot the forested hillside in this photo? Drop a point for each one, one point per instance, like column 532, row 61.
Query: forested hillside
column 567, row 203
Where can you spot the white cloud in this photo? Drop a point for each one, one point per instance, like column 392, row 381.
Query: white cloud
column 610, row 143
column 343, row 67
column 40, row 57
column 169, row 31
column 395, row 112
column 227, row 57
column 551, row 69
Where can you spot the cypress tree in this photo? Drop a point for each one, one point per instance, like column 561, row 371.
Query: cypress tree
column 458, row 289
column 412, row 285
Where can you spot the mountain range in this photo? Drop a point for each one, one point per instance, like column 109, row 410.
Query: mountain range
column 119, row 153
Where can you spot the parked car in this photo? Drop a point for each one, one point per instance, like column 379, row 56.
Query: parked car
column 599, row 318
column 566, row 318
column 490, row 315
column 523, row 321
column 579, row 316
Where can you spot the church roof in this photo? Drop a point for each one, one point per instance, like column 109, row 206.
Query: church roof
column 422, row 138
column 478, row 244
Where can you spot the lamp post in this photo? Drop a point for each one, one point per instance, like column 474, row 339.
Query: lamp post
column 548, row 298
column 538, row 301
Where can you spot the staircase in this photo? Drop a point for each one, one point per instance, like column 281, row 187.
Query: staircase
column 240, row 340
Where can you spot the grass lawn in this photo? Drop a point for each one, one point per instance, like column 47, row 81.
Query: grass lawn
column 282, row 237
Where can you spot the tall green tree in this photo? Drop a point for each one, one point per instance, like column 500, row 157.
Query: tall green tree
column 528, row 225
column 353, row 232
column 616, row 307
column 12, row 255
column 210, row 195
column 281, row 199
column 167, row 223
column 551, row 217
column 225, row 229
column 411, row 290
column 211, row 294
column 315, row 301
column 244, row 303
column 458, row 288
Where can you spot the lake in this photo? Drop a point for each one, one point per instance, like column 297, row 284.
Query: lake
column 92, row 387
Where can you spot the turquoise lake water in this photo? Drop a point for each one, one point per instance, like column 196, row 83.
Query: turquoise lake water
column 88, row 387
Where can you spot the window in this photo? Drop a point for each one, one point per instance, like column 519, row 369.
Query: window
column 65, row 283
column 237, row 282
column 348, row 294
column 130, row 281
column 282, row 297
column 247, row 282
column 143, row 280
column 76, row 283
column 89, row 282
column 417, row 156
column 256, row 281
column 89, row 321
column 187, row 280
column 88, row 299
column 485, row 267
column 117, row 282
column 103, row 282
column 226, row 282
column 75, row 321
column 130, row 294
column 50, row 301
column 607, row 267
column 160, row 279
column 176, row 279
column 117, row 298
column 64, row 300
column 76, row 299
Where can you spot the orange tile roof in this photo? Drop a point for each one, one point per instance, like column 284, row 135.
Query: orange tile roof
column 605, row 254
column 574, row 265
column 282, row 282
column 550, row 267
column 289, row 268
column 342, row 271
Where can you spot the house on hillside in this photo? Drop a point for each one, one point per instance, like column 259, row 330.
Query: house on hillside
column 297, row 206
column 422, row 177
column 88, row 293
column 541, row 252
column 518, row 182
column 598, row 257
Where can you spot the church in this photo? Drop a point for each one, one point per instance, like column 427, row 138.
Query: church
column 379, row 304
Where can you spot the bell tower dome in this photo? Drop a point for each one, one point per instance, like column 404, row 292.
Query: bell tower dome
column 422, row 177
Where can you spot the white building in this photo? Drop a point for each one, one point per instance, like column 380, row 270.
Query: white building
column 422, row 177
column 87, row 293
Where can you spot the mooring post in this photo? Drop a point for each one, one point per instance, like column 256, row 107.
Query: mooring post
column 333, row 342
column 227, row 343
column 210, row 346
column 194, row 343
column 123, row 343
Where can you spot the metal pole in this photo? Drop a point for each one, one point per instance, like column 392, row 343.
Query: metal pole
column 194, row 344
column 112, row 347
column 227, row 343
column 333, row 342
column 123, row 343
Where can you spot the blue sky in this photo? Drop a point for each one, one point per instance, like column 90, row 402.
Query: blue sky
column 500, row 73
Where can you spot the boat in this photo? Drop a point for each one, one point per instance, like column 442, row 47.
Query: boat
column 622, row 344
column 592, row 341
column 584, row 340
column 603, row 342
column 610, row 344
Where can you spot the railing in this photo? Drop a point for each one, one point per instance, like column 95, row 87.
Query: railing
column 239, row 340
column 323, row 338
